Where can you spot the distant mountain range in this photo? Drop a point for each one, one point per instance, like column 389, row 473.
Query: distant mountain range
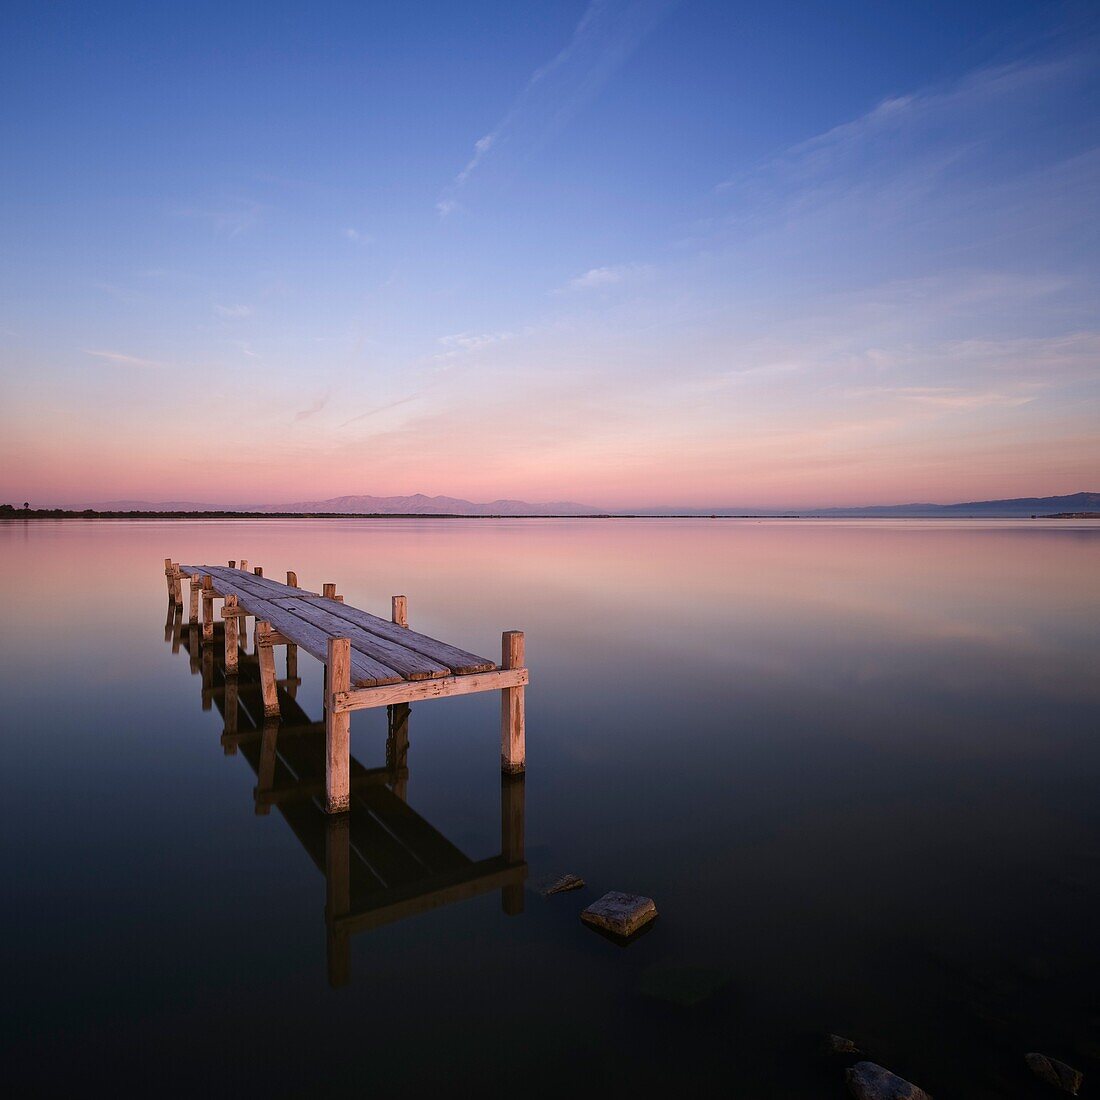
column 421, row 505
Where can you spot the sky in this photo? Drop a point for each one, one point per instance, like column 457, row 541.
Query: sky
column 628, row 253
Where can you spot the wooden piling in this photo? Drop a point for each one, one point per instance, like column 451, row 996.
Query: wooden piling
column 328, row 590
column 265, row 655
column 513, row 748
column 244, row 564
column 291, row 578
column 232, row 564
column 399, row 610
column 196, row 584
column 207, row 609
column 337, row 727
column 258, row 571
column 232, row 618
column 177, row 584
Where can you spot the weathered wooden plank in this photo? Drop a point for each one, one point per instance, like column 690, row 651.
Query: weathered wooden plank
column 408, row 692
column 411, row 665
column 459, row 661
column 365, row 670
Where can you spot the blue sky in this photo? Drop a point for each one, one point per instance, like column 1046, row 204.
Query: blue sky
column 626, row 253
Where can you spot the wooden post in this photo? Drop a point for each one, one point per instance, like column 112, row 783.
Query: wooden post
column 337, row 727
column 328, row 590
column 513, row 748
column 258, row 571
column 196, row 584
column 292, row 670
column 337, row 896
column 232, row 564
column 177, row 587
column 231, row 654
column 207, row 609
column 168, row 577
column 291, row 579
column 512, row 805
column 244, row 564
column 265, row 655
column 399, row 610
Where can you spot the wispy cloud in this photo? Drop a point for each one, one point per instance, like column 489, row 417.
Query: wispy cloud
column 312, row 410
column 380, row 409
column 607, row 34
column 597, row 278
column 235, row 313
column 119, row 359
column 474, row 341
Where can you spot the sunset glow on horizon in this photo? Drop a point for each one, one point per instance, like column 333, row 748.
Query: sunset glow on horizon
column 630, row 254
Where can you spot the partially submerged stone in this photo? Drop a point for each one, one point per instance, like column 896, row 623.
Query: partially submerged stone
column 557, row 884
column 686, row 986
column 868, row 1081
column 837, row 1044
column 620, row 914
column 1055, row 1073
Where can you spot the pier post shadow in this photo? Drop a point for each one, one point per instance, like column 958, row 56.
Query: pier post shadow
column 381, row 860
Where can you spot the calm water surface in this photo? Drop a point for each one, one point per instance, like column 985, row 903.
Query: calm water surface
column 857, row 764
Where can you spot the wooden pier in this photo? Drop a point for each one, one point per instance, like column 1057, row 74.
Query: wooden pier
column 382, row 862
column 369, row 661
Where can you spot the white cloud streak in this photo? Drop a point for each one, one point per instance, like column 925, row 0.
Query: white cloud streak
column 604, row 38
column 119, row 359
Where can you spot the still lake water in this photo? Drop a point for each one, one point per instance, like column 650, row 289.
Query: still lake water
column 856, row 764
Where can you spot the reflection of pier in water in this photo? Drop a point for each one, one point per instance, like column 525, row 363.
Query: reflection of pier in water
column 381, row 861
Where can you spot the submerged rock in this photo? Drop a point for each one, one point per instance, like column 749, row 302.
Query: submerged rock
column 620, row 914
column 1055, row 1073
column 867, row 1081
column 837, row 1044
column 557, row 884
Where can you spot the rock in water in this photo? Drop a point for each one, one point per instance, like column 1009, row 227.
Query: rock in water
column 620, row 914
column 557, row 884
column 867, row 1081
column 837, row 1044
column 1055, row 1073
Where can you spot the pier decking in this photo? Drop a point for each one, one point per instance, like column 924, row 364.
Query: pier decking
column 369, row 661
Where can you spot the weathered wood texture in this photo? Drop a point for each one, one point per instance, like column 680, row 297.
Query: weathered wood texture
column 337, row 727
column 383, row 651
column 513, row 746
column 407, row 692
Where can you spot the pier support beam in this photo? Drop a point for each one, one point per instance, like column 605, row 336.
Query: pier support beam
column 337, row 726
column 265, row 655
column 513, row 744
column 193, row 610
column 232, row 617
column 207, row 609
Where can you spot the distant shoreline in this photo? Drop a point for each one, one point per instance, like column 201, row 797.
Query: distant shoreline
column 64, row 513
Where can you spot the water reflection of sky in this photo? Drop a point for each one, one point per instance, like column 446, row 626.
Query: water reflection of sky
column 847, row 759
